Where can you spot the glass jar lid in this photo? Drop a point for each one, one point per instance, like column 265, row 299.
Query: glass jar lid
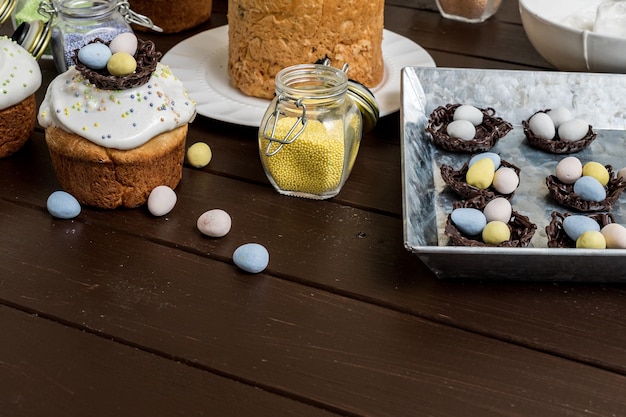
column 6, row 8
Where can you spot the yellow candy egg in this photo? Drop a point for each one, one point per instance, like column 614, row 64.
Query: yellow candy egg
column 598, row 171
column 481, row 173
column 591, row 239
column 121, row 64
column 199, row 155
column 496, row 232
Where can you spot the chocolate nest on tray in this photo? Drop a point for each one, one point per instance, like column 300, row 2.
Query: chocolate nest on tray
column 522, row 229
column 455, row 179
column 557, row 238
column 147, row 58
column 565, row 196
column 556, row 145
column 487, row 133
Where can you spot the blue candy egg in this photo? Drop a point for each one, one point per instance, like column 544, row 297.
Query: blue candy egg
column 63, row 205
column 469, row 221
column 94, row 55
column 251, row 257
column 589, row 189
column 576, row 225
column 493, row 156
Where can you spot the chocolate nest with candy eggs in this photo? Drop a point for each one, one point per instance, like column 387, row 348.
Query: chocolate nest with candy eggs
column 123, row 63
column 591, row 187
column 585, row 231
column 558, row 131
column 486, row 174
column 478, row 222
column 465, row 128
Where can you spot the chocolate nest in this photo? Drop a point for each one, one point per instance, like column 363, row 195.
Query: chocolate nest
column 565, row 196
column 487, row 133
column 147, row 58
column 557, row 145
column 557, row 238
column 522, row 229
column 456, row 181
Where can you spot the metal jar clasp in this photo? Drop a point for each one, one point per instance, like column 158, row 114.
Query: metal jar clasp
column 293, row 133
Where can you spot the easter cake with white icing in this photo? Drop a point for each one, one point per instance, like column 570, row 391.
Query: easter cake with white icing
column 114, row 136
column 21, row 78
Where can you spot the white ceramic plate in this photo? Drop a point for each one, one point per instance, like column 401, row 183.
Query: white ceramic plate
column 201, row 62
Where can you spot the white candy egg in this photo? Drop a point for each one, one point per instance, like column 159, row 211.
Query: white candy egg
column 622, row 174
column 124, row 42
column 559, row 115
column 469, row 113
column 542, row 126
column 573, row 130
column 498, row 209
column 569, row 169
column 461, row 129
column 505, row 180
column 615, row 236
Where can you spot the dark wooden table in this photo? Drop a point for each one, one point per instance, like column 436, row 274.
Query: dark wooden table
column 118, row 313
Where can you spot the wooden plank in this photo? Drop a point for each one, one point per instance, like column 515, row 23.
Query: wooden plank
column 351, row 356
column 49, row 369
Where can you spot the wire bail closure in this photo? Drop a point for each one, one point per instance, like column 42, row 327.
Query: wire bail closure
column 290, row 137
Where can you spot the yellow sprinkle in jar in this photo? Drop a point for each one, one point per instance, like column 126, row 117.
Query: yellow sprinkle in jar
column 310, row 134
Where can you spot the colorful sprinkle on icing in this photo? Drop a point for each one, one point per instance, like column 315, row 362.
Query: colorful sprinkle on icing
column 20, row 75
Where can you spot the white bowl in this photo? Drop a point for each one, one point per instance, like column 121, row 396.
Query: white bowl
column 567, row 46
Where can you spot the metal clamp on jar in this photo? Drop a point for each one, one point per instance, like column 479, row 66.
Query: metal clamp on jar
column 310, row 134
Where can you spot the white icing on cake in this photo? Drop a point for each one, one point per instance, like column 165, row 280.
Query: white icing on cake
column 121, row 119
column 20, row 75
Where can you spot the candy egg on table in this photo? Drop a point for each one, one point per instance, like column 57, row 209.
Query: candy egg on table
column 161, row 200
column 470, row 113
column 573, row 130
column 505, row 180
column 542, row 126
column 589, row 189
column 577, row 224
column 214, row 223
column 251, row 257
column 614, row 235
column 199, row 155
column 569, row 169
column 63, row 205
column 559, row 115
column 498, row 209
column 461, row 129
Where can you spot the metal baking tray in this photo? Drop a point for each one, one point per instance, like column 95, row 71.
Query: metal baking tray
column 599, row 99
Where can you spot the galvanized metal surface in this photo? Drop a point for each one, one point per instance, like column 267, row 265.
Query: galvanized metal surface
column 599, row 99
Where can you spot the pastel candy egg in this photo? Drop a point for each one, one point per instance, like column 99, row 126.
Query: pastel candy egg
column 251, row 257
column 214, row 223
column 469, row 221
column 505, row 180
column 569, row 169
column 121, row 64
column 576, row 225
column 480, row 175
column 498, row 209
column 559, row 115
column 199, row 155
column 94, row 55
column 622, row 174
column 598, row 171
column 63, row 205
column 542, row 126
column 461, row 129
column 614, row 235
column 124, row 42
column 496, row 232
column 573, row 130
column 591, row 240
column 161, row 200
column 589, row 189
column 469, row 113
column 495, row 158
